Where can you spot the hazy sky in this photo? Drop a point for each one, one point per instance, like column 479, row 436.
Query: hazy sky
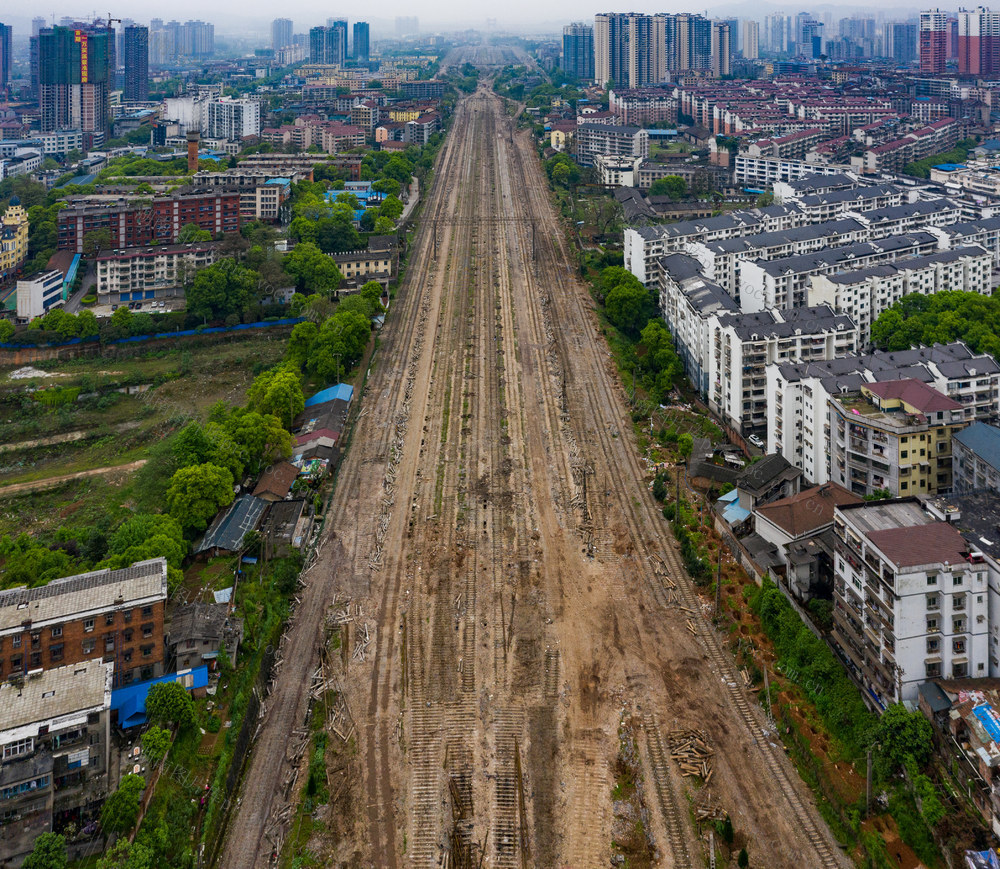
column 240, row 18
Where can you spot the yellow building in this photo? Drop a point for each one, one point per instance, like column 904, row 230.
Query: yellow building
column 13, row 240
column 893, row 435
column 404, row 114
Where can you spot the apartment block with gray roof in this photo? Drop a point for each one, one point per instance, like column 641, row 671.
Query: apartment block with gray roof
column 975, row 460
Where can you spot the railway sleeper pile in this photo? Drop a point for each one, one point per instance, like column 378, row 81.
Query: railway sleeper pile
column 691, row 752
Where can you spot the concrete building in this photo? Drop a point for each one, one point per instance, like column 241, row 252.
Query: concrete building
column 37, row 295
column 864, row 294
column 74, row 78
column 910, row 599
column 136, row 41
column 975, row 462
column 613, row 140
column 578, row 51
column 55, row 735
column 234, row 119
column 281, row 33
column 110, row 615
column 933, row 41
column 895, row 436
column 741, row 346
column 145, row 273
column 798, row 394
column 13, row 241
column 799, row 529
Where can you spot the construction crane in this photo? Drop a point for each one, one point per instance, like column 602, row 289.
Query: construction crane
column 113, row 21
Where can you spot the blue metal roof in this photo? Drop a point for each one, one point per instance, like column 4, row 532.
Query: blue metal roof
column 983, row 440
column 343, row 391
column 130, row 700
column 735, row 514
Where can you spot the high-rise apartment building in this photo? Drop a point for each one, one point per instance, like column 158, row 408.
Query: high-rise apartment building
column 328, row 45
column 721, row 49
column 904, row 43
column 933, row 41
column 407, row 25
column 578, row 51
column 611, row 49
column 694, row 42
column 751, row 40
column 136, row 50
column 362, row 42
column 5, row 58
column 979, row 42
column 73, row 80
column 776, row 32
column 281, row 33
column 339, row 28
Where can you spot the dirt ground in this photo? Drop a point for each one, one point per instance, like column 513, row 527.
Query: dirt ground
column 514, row 594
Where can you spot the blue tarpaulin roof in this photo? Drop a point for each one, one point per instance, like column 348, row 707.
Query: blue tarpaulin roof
column 989, row 719
column 343, row 391
column 731, row 495
column 735, row 514
column 130, row 701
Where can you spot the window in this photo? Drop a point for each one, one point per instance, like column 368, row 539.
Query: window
column 147, row 631
column 933, row 669
column 109, row 644
column 147, row 651
column 36, row 660
column 128, row 635
column 903, row 453
column 15, row 663
column 958, row 579
column 56, row 631
column 128, row 616
column 56, row 652
column 932, row 579
column 932, row 602
column 127, row 656
column 16, row 641
column 959, row 670
column 147, row 610
column 88, row 646
column 36, row 640
column 109, row 618
column 958, row 646
column 933, row 644
column 932, row 626
column 18, row 748
column 146, row 673
column 88, row 625
column 958, row 602
column 958, row 626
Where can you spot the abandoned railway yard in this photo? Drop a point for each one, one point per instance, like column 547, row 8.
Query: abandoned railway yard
column 515, row 622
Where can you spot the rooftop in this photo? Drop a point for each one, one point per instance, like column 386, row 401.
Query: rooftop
column 983, row 440
column 976, row 516
column 915, row 393
column 86, row 592
column 763, row 473
column 808, row 510
column 54, row 693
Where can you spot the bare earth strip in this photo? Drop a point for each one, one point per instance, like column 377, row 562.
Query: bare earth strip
column 50, row 482
column 492, row 524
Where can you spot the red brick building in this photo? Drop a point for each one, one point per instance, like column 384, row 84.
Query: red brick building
column 113, row 616
column 134, row 224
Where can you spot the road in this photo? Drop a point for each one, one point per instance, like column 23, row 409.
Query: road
column 50, row 482
column 491, row 523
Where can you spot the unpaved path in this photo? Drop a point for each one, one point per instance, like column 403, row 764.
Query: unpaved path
column 50, row 482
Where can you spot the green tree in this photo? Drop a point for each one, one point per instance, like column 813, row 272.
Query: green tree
column 560, row 175
column 49, row 852
column 121, row 322
column 191, row 445
column 6, row 330
column 391, row 207
column 196, row 494
column 313, row 271
column 384, row 226
column 121, row 810
column 95, row 241
column 127, row 855
column 146, row 535
column 673, row 186
column 685, row 444
column 340, row 343
column 743, row 860
column 764, row 200
column 277, row 391
column 191, row 232
column 614, row 276
column 87, row 325
column 261, row 438
column 222, row 289
column 302, row 337
column 155, row 742
column 629, row 307
column 169, row 703
column 388, row 186
column 897, row 734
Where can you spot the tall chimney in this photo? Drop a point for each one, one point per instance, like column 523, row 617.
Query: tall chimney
column 192, row 138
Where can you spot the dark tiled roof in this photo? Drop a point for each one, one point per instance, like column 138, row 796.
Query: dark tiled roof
column 983, row 440
column 935, row 543
column 229, row 528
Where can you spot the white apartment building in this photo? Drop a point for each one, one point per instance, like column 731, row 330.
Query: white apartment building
column 138, row 273
column 617, row 171
column 864, row 294
column 819, row 207
column 798, row 424
column 783, row 283
column 764, row 172
column 910, row 599
column 984, row 232
column 229, row 118
column 721, row 260
column 35, row 296
column 691, row 305
column 593, row 139
column 742, row 346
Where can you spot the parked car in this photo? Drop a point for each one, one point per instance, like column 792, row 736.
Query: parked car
column 756, row 441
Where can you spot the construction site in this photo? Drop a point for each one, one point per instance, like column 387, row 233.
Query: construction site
column 518, row 637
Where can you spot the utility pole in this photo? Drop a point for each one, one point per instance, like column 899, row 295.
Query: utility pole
column 718, row 585
column 868, row 786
